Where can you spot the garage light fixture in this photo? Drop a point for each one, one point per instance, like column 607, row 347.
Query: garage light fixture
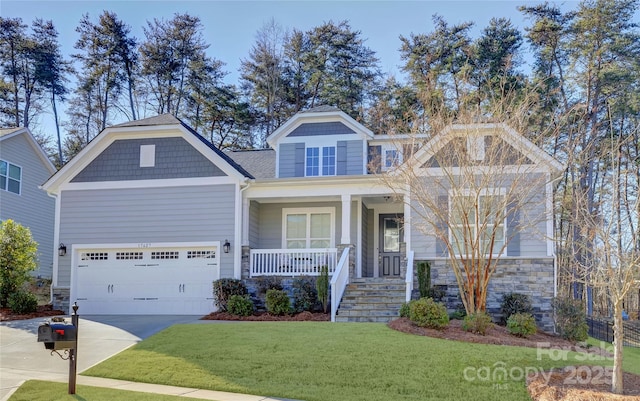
column 62, row 250
column 227, row 246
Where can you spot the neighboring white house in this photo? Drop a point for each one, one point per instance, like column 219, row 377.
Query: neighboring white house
column 23, row 168
column 146, row 209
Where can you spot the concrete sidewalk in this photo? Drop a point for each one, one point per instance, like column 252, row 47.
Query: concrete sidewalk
column 100, row 337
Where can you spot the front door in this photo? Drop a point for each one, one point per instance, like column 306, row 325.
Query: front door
column 391, row 234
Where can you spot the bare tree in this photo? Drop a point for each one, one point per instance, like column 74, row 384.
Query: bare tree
column 612, row 241
column 474, row 188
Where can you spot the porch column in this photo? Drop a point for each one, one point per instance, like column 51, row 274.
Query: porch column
column 245, row 221
column 346, row 220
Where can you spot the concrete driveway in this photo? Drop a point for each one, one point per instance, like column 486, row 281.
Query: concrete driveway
column 99, row 337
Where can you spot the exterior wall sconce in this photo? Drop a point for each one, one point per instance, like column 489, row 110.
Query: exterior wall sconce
column 62, row 250
column 226, row 247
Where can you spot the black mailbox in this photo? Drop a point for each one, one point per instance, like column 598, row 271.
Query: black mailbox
column 57, row 336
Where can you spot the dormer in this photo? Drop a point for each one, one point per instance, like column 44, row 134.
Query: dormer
column 320, row 142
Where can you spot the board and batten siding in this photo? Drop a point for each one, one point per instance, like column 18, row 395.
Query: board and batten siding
column 350, row 160
column 174, row 158
column 32, row 208
column 147, row 215
column 254, row 231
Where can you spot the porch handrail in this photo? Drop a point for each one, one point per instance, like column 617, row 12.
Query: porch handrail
column 291, row 262
column 339, row 282
column 409, row 278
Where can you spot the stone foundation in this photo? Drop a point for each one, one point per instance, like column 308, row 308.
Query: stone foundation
column 60, row 298
column 533, row 277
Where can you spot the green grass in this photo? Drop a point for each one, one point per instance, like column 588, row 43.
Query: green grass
column 630, row 355
column 319, row 361
column 36, row 390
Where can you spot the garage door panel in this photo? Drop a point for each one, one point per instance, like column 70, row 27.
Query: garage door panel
column 149, row 281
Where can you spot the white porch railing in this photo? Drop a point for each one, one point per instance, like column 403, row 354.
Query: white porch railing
column 291, row 262
column 409, row 278
column 339, row 282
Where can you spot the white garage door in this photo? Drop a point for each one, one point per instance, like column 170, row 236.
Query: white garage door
column 148, row 281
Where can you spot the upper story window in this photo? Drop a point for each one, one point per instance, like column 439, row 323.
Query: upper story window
column 318, row 163
column 477, row 224
column 10, row 177
column 392, row 158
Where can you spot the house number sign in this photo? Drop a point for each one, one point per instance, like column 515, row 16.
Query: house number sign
column 144, row 245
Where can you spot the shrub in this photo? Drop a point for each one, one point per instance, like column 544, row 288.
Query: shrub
column 278, row 303
column 267, row 283
column 22, row 302
column 425, row 312
column 18, row 257
column 514, row 303
column 305, row 295
column 478, row 323
column 405, row 309
column 240, row 305
column 457, row 315
column 571, row 321
column 521, row 324
column 224, row 288
column 322, row 287
column 424, row 279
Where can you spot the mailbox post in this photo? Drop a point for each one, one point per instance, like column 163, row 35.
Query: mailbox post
column 59, row 336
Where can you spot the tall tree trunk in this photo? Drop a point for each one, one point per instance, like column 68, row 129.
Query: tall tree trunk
column 617, row 385
column 55, row 116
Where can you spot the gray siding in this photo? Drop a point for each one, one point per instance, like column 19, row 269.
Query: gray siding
column 349, row 158
column 367, row 237
column 33, row 208
column 254, row 233
column 147, row 215
column 175, row 158
column 291, row 160
column 315, row 129
column 270, row 222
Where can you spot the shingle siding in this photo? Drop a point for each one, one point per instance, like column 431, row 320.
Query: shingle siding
column 174, row 158
column 316, row 129
column 33, row 208
column 147, row 215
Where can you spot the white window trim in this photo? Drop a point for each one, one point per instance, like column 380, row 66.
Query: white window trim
column 19, row 181
column 383, row 156
column 309, row 211
column 483, row 192
column 476, row 147
column 321, row 160
column 147, row 155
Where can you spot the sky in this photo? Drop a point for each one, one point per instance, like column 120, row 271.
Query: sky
column 230, row 26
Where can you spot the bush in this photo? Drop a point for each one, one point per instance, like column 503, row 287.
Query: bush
column 224, row 288
column 457, row 315
column 405, row 309
column 18, row 257
column 305, row 295
column 322, row 287
column 278, row 303
column 478, row 323
column 22, row 302
column 424, row 279
column 240, row 305
column 571, row 321
column 425, row 312
column 521, row 324
column 514, row 303
column 267, row 283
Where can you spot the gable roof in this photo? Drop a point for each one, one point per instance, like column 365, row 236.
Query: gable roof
column 6, row 133
column 508, row 134
column 320, row 114
column 161, row 125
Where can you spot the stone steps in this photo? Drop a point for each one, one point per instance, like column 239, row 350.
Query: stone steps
column 371, row 300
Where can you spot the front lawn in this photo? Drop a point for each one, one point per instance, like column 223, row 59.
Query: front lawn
column 36, row 390
column 319, row 361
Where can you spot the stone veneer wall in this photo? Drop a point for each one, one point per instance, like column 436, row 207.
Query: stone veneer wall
column 531, row 276
column 60, row 297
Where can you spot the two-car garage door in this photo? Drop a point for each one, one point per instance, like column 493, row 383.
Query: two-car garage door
column 146, row 280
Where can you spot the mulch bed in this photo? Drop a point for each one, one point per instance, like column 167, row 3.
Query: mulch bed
column 42, row 311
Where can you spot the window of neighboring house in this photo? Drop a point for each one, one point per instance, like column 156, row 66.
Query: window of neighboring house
column 317, row 164
column 308, row 228
column 477, row 221
column 10, row 177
